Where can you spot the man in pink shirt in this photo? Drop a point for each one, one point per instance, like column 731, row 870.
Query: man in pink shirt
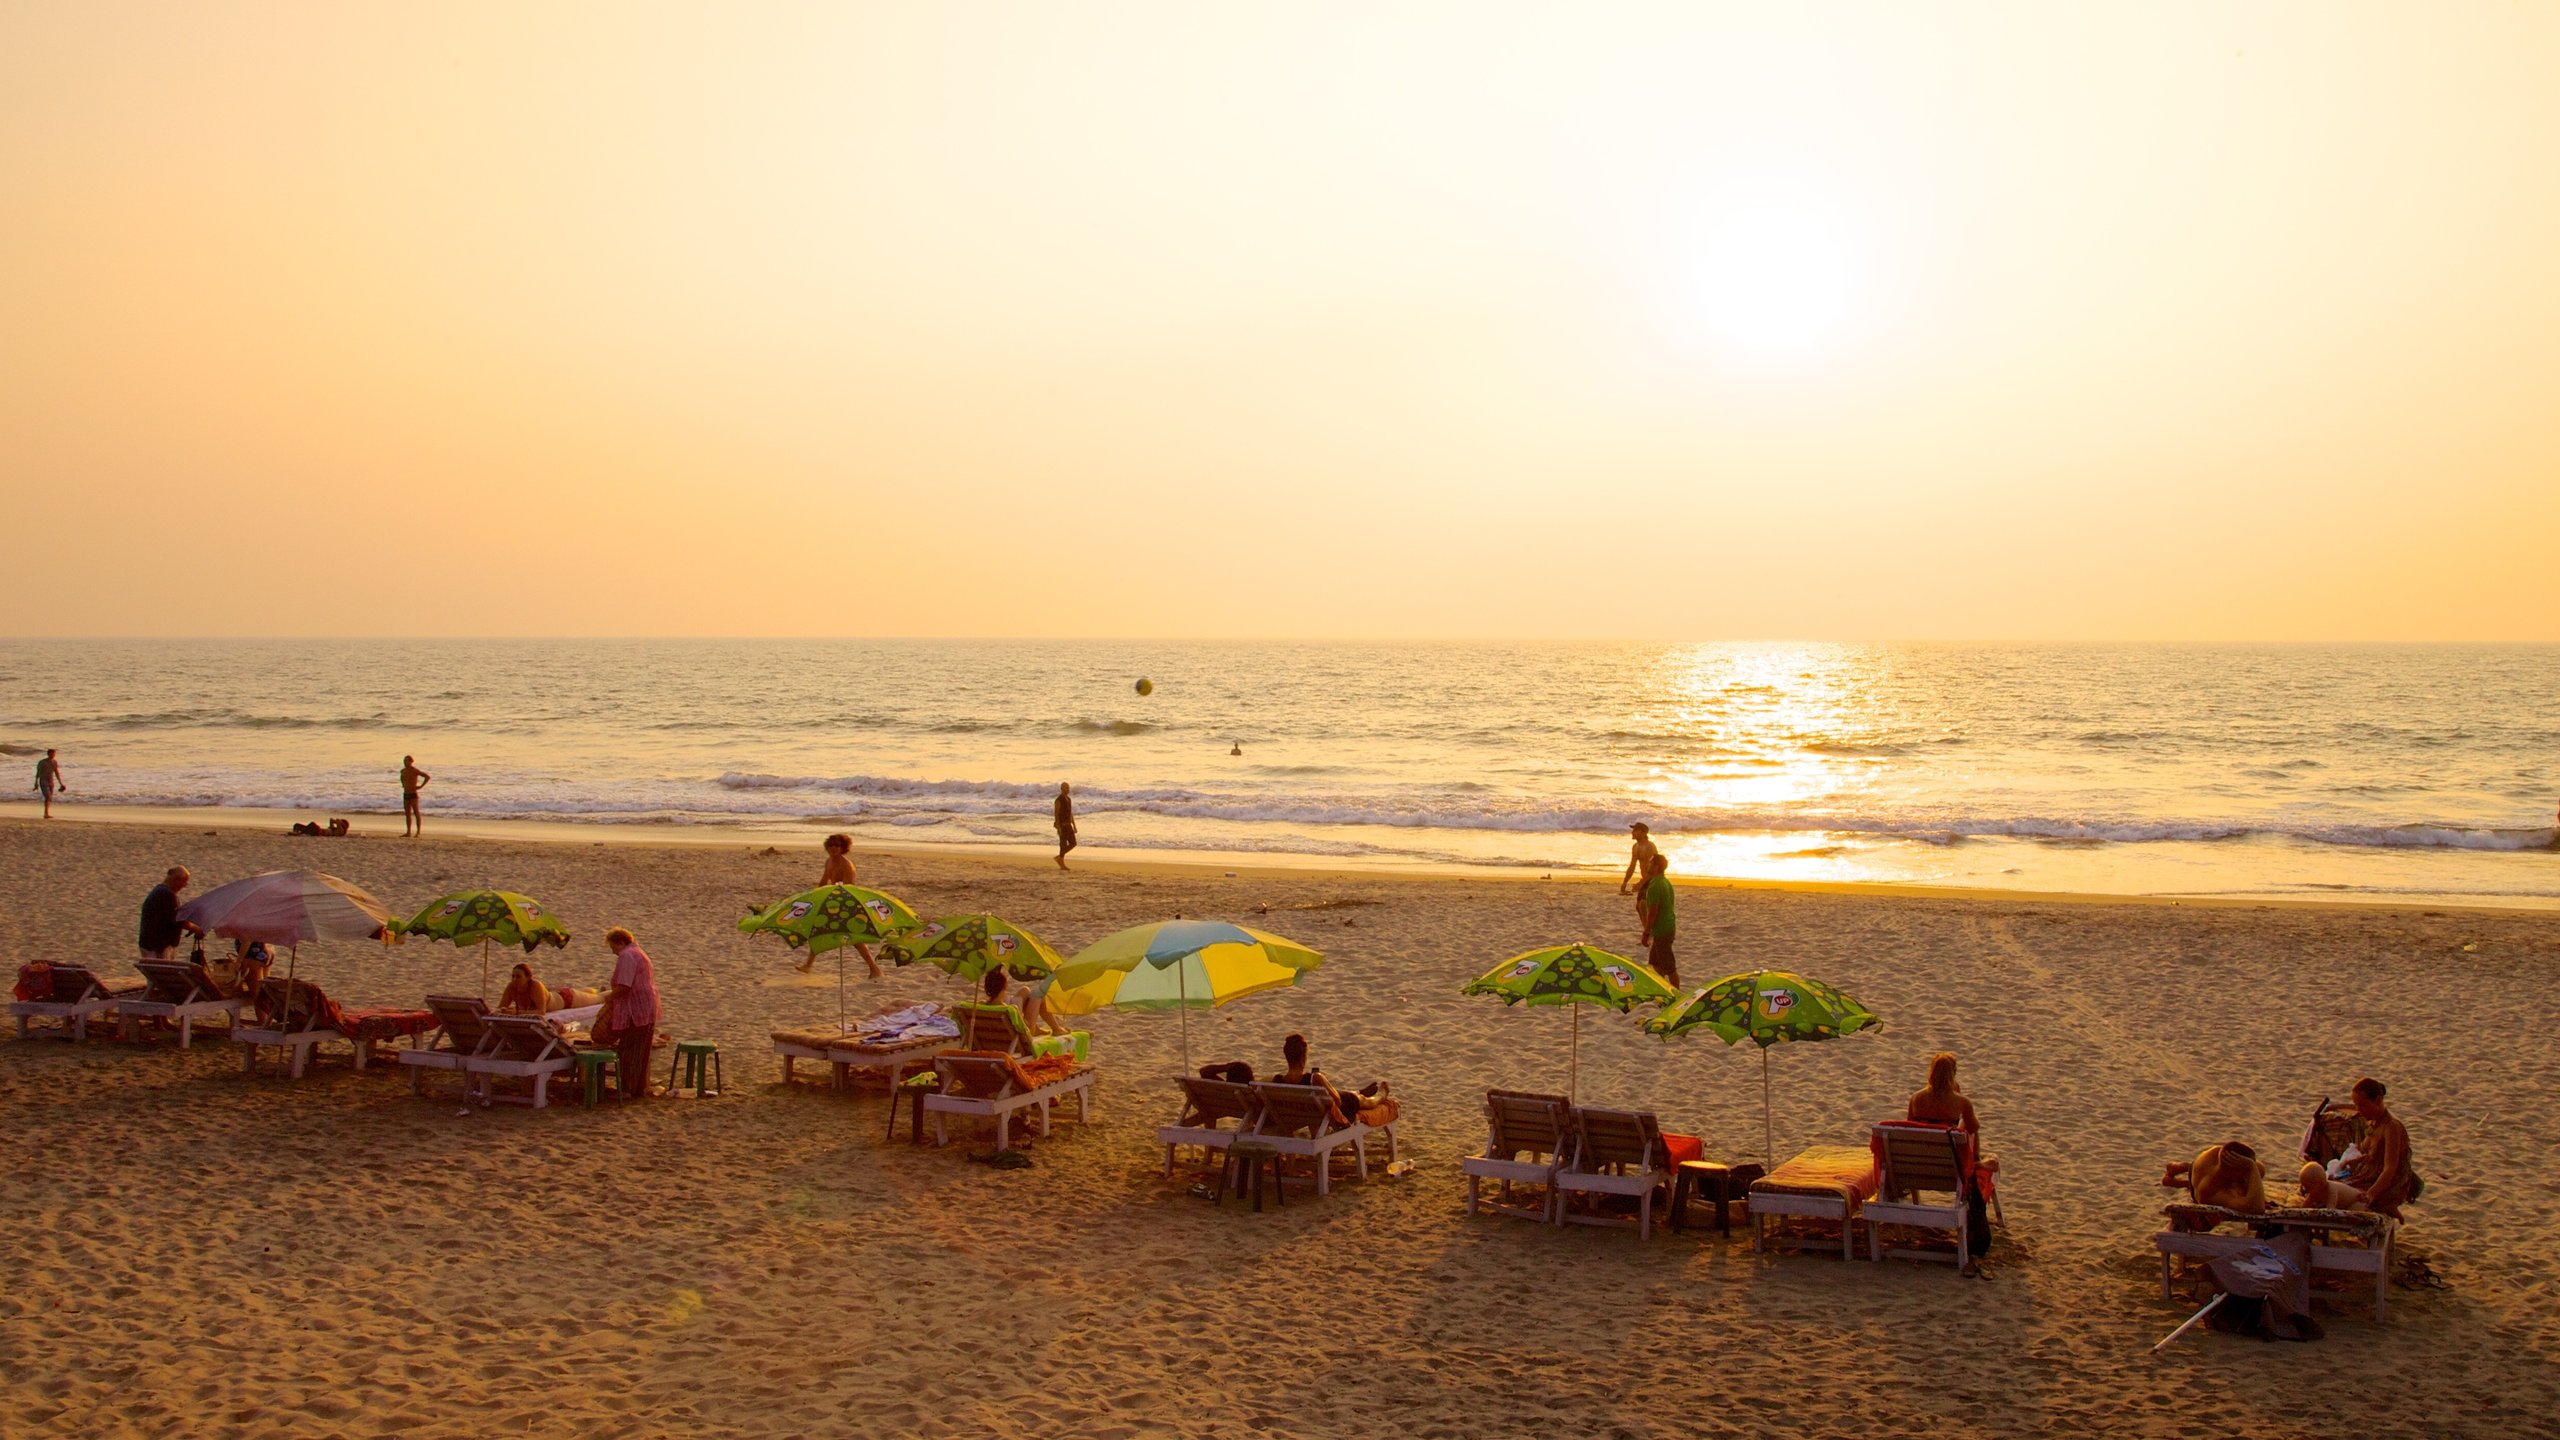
column 630, row 1013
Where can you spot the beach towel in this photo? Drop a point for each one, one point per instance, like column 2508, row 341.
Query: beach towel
column 35, row 983
column 1844, row 1172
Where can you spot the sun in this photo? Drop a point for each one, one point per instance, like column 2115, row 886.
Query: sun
column 1776, row 276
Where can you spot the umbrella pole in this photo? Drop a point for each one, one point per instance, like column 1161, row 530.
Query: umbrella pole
column 1768, row 1128
column 839, row 989
column 1182, row 992
column 1573, row 1057
column 484, row 971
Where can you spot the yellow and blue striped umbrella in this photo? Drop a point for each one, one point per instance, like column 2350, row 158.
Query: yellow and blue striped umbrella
column 1179, row 965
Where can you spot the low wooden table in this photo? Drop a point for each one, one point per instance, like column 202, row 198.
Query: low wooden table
column 2195, row 1240
column 1706, row 1179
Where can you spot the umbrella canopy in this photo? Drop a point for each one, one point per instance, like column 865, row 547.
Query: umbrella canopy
column 832, row 917
column 1766, row 1007
column 1575, row 975
column 1180, row 965
column 485, row 918
column 495, row 917
column 288, row 907
column 968, row 946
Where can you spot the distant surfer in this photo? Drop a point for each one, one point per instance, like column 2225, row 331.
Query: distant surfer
column 1063, row 816
column 48, row 780
column 413, row 821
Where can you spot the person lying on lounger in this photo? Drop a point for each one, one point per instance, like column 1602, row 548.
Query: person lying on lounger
column 526, row 995
column 2227, row 1175
column 1297, row 1072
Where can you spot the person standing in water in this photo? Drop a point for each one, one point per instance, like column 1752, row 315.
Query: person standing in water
column 839, row 871
column 1062, row 815
column 412, row 820
column 48, row 780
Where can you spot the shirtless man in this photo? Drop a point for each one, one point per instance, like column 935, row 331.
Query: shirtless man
column 48, row 780
column 1062, row 817
column 412, row 821
column 2378, row 1178
column 1643, row 850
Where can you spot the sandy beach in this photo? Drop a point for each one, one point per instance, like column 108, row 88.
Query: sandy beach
column 194, row 1252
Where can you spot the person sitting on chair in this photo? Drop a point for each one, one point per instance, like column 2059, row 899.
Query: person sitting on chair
column 2376, row 1176
column 1346, row 1103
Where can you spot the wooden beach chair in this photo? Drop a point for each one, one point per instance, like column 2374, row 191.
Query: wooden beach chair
column 462, row 1031
column 1206, row 1107
column 518, row 1047
column 179, row 990
column 990, row 1087
column 1297, row 1121
column 1914, row 1161
column 2367, row 1253
column 1825, row 1182
column 1615, row 1152
column 290, row 1016
column 1529, row 1140
column 73, row 997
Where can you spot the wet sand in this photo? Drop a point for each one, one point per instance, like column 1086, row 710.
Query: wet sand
column 193, row 1252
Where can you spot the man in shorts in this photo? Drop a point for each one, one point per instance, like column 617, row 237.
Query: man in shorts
column 48, row 780
column 1656, row 906
column 1063, row 816
column 412, row 820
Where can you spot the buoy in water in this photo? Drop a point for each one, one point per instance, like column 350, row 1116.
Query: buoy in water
column 1146, row 686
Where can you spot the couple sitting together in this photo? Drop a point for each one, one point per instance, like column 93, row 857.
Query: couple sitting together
column 1371, row 1104
column 2371, row 1173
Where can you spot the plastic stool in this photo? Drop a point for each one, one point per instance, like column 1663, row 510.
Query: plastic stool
column 696, row 1059
column 593, row 1065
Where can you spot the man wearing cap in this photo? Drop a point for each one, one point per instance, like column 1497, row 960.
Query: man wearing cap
column 1642, row 851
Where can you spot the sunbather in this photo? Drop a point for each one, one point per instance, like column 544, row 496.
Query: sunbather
column 2375, row 1175
column 2227, row 1175
column 525, row 995
column 1346, row 1103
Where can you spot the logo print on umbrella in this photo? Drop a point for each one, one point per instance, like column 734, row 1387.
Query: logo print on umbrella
column 1776, row 1003
column 450, row 907
column 798, row 910
column 1523, row 970
column 1619, row 977
column 930, row 931
column 1003, row 944
column 879, row 910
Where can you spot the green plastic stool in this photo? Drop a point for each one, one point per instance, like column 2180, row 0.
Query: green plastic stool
column 695, row 1059
column 592, row 1065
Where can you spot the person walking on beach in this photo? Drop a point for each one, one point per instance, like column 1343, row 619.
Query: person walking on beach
column 161, row 927
column 630, row 1015
column 1063, row 816
column 839, row 871
column 1639, row 854
column 412, row 820
column 48, row 780
column 1655, row 907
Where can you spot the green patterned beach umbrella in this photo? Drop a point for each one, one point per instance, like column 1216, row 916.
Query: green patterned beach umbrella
column 1766, row 1007
column 1575, row 975
column 968, row 946
column 832, row 917
column 485, row 918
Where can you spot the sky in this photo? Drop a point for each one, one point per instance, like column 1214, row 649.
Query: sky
column 1695, row 321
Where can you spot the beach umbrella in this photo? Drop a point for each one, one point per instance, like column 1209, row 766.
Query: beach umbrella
column 1575, row 975
column 1178, row 965
column 832, row 917
column 287, row 907
column 968, row 946
column 485, row 918
column 1765, row 1007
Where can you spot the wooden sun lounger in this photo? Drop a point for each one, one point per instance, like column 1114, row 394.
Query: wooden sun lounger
column 298, row 1030
column 1206, row 1105
column 1918, row 1160
column 2371, row 1257
column 78, row 995
column 179, row 990
column 518, row 1047
column 1615, row 1152
column 462, row 1031
column 1825, row 1182
column 982, row 1087
column 1530, row 1141
column 1297, row 1120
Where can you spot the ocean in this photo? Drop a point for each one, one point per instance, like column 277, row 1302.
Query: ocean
column 2369, row 771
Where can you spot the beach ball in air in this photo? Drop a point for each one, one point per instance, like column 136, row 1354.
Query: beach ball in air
column 1146, row 686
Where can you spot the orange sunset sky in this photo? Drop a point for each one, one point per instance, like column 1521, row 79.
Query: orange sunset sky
column 2215, row 321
